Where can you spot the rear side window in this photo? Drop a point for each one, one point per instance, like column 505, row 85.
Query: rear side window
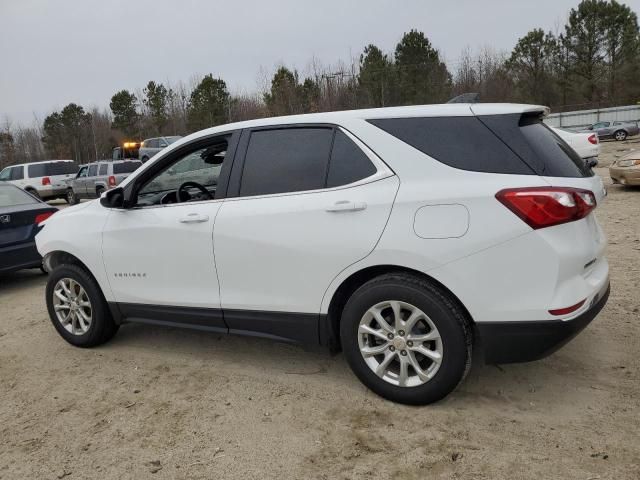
column 125, row 167
column 511, row 144
column 103, row 169
column 46, row 169
column 17, row 173
column 92, row 170
column 348, row 162
column 460, row 142
column 286, row 160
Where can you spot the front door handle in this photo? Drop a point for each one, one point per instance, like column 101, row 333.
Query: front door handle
column 346, row 206
column 194, row 218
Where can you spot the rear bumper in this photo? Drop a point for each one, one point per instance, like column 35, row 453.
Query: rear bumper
column 510, row 342
column 19, row 256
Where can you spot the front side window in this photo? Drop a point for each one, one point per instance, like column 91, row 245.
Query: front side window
column 194, row 173
column 286, row 160
column 5, row 174
column 83, row 172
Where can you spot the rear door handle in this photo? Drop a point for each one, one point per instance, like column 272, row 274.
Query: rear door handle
column 346, row 206
column 194, row 218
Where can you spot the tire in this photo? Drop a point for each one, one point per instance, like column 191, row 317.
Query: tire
column 34, row 193
column 620, row 135
column 99, row 191
column 101, row 327
column 144, row 159
column 71, row 197
column 450, row 322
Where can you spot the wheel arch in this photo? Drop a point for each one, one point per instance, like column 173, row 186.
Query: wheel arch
column 330, row 331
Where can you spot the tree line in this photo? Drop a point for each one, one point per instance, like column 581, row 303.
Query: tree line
column 594, row 61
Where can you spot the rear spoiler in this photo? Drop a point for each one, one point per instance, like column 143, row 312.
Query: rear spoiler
column 508, row 108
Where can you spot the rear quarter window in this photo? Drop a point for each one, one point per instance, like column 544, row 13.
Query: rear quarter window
column 125, row 167
column 460, row 142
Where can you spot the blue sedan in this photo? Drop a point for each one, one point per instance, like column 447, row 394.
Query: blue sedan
column 20, row 216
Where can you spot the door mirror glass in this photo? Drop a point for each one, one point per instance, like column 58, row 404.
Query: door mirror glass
column 113, row 198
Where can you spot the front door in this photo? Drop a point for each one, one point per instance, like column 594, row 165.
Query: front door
column 159, row 254
column 310, row 203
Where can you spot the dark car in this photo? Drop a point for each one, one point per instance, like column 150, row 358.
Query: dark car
column 20, row 214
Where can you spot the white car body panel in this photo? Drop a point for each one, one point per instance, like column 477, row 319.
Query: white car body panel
column 287, row 253
column 579, row 141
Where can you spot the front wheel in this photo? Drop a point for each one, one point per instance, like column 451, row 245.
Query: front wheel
column 77, row 307
column 620, row 135
column 71, row 197
column 406, row 339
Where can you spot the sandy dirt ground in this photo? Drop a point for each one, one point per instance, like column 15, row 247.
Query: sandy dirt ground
column 166, row 403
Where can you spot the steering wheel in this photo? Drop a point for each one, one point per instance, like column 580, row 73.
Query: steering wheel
column 183, row 195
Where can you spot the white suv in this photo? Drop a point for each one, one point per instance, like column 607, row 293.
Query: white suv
column 45, row 180
column 404, row 236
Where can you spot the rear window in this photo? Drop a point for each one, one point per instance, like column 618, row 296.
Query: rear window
column 47, row 169
column 10, row 196
column 509, row 144
column 125, row 167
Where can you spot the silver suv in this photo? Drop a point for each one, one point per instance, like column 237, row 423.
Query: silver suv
column 95, row 178
column 45, row 180
column 151, row 146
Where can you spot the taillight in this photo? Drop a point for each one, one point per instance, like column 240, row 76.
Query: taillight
column 41, row 217
column 567, row 310
column 593, row 139
column 112, row 181
column 542, row 207
column 46, row 181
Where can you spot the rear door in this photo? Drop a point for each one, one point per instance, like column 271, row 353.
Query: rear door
column 308, row 202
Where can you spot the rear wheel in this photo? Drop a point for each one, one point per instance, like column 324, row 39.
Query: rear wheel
column 99, row 191
column 77, row 307
column 144, row 159
column 620, row 135
column 406, row 339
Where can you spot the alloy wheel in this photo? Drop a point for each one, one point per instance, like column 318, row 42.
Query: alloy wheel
column 400, row 343
column 72, row 306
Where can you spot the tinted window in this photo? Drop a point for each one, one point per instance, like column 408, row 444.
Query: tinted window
column 10, row 195
column 125, row 167
column 17, row 173
column 348, row 162
column 92, row 170
column 46, row 169
column 460, row 142
column 286, row 160
column 537, row 145
column 103, row 169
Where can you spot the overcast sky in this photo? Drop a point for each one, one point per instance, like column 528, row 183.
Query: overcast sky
column 83, row 51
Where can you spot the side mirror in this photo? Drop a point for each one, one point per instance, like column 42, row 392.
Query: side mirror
column 113, row 198
column 591, row 162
